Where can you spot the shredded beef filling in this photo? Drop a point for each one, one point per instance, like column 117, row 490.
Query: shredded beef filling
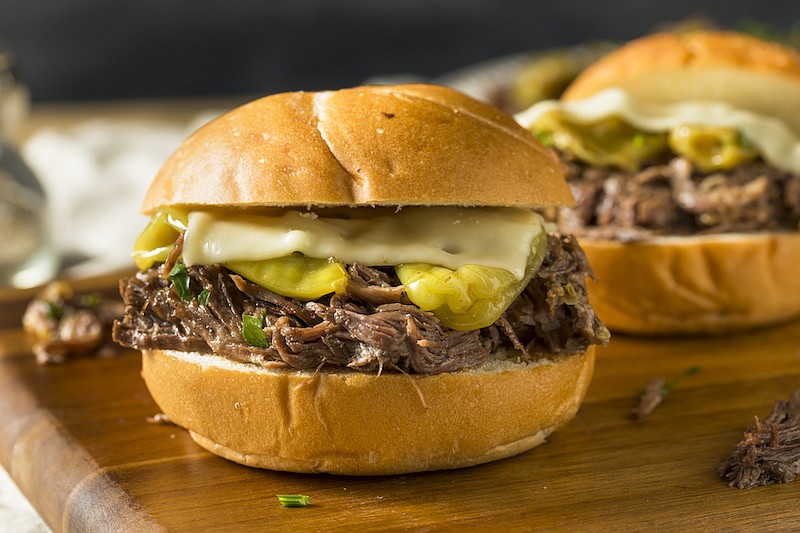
column 370, row 327
column 674, row 198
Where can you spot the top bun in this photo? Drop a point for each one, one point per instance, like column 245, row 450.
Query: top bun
column 381, row 145
column 733, row 68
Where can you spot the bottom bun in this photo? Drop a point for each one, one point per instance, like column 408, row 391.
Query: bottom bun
column 697, row 284
column 345, row 422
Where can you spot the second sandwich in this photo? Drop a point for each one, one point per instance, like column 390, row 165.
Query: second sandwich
column 683, row 152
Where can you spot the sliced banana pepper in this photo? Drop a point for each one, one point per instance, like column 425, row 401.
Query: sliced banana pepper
column 295, row 276
column 613, row 142
column 712, row 148
column 472, row 296
column 155, row 243
column 610, row 142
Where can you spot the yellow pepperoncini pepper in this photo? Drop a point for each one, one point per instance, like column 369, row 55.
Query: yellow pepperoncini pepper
column 155, row 243
column 472, row 296
column 712, row 148
column 608, row 142
column 294, row 276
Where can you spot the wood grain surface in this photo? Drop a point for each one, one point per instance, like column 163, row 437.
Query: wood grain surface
column 75, row 439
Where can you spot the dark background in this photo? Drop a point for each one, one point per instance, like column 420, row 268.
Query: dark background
column 104, row 49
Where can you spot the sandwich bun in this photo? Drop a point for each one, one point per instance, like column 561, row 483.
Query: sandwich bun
column 695, row 285
column 698, row 284
column 346, row 422
column 366, row 146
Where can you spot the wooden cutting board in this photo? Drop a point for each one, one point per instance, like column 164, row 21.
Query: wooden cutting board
column 75, row 439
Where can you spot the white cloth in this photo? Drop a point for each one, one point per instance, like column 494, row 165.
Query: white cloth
column 16, row 514
column 95, row 175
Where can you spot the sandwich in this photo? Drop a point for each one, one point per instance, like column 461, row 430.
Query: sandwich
column 683, row 154
column 356, row 282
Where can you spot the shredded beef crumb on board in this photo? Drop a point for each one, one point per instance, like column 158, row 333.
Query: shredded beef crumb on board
column 67, row 325
column 769, row 451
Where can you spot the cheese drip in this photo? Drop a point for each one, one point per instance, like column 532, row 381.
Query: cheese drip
column 451, row 237
column 777, row 143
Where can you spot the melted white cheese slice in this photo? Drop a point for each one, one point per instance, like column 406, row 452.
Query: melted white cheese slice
column 497, row 237
column 774, row 139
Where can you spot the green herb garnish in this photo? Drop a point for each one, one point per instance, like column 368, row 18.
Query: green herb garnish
column 666, row 389
column 180, row 280
column 54, row 312
column 89, row 300
column 253, row 330
column 743, row 141
column 545, row 137
column 294, row 500
column 203, row 297
column 638, row 140
column 656, row 390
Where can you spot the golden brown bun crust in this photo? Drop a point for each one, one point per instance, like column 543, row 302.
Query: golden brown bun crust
column 383, row 145
column 357, row 424
column 729, row 67
column 695, row 285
